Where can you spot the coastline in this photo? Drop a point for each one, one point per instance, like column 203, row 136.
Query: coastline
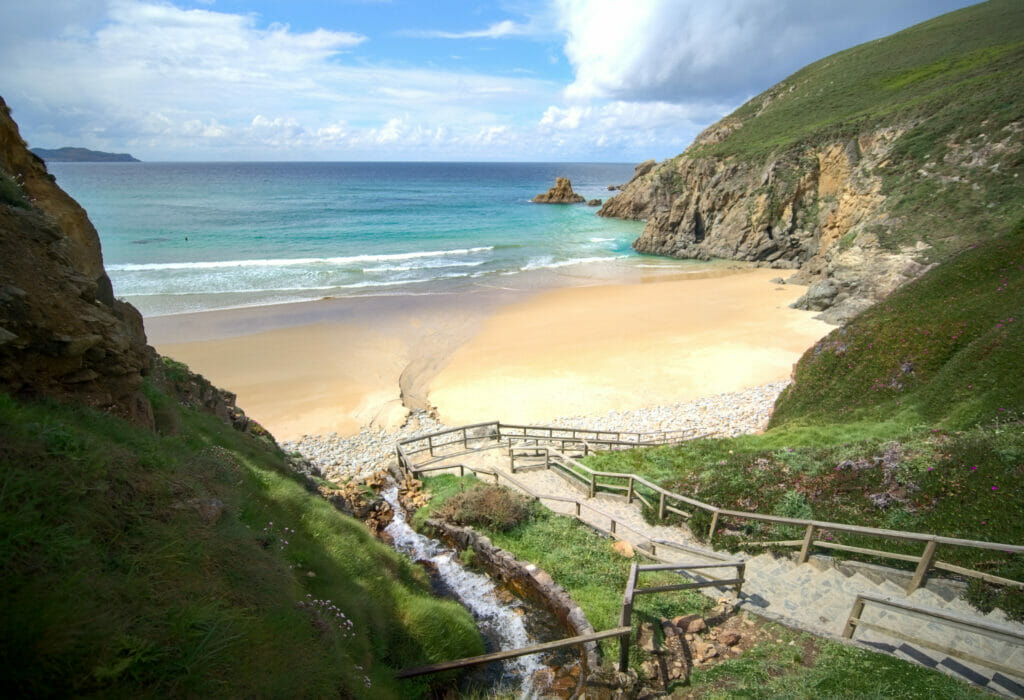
column 528, row 355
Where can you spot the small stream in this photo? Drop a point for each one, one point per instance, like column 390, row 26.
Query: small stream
column 501, row 622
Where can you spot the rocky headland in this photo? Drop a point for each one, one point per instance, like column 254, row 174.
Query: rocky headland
column 71, row 154
column 857, row 173
column 561, row 193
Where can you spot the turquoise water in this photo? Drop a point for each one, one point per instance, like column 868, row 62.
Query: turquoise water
column 181, row 237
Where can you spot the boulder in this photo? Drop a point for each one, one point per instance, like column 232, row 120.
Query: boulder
column 593, row 202
column 624, row 548
column 561, row 193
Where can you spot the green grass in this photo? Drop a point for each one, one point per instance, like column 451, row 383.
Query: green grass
column 797, row 665
column 944, row 351
column 112, row 584
column 10, row 192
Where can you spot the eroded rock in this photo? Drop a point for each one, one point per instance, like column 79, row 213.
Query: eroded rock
column 561, row 193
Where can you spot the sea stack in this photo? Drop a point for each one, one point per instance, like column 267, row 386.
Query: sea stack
column 561, row 193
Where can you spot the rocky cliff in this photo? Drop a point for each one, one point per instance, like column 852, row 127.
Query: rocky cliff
column 858, row 172
column 62, row 333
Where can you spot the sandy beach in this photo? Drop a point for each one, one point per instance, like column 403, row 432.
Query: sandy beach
column 336, row 365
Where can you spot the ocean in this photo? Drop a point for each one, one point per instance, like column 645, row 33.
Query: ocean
column 183, row 237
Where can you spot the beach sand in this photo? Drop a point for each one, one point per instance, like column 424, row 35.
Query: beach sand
column 335, row 365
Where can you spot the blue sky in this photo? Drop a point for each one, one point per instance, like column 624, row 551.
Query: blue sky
column 544, row 80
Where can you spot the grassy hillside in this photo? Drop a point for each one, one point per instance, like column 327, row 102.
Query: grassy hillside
column 956, row 83
column 945, row 350
column 194, row 564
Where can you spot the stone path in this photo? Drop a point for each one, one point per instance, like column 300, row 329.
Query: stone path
column 816, row 596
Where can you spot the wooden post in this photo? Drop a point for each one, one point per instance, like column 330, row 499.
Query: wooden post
column 512, row 461
column 922, row 566
column 613, row 525
column 462, row 470
column 629, row 493
column 661, row 506
column 577, row 509
column 398, row 456
column 430, row 442
column 714, row 524
column 741, row 570
column 593, row 484
column 465, row 439
column 626, row 618
column 805, row 549
column 855, row 612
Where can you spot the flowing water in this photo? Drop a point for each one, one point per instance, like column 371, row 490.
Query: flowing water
column 501, row 623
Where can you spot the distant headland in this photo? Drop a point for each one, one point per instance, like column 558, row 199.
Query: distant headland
column 70, row 154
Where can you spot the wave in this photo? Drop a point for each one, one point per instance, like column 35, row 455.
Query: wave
column 547, row 264
column 424, row 266
column 284, row 262
column 601, row 240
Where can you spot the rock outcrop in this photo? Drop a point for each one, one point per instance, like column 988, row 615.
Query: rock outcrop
column 814, row 211
column 62, row 333
column 561, row 193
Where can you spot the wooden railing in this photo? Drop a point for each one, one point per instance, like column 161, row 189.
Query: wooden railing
column 626, row 616
column 513, row 653
column 516, row 437
column 998, row 632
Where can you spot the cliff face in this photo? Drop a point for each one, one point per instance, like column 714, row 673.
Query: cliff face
column 811, row 211
column 858, row 172
column 62, row 333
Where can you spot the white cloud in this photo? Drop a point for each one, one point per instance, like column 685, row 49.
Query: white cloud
column 677, row 50
column 176, row 83
column 497, row 30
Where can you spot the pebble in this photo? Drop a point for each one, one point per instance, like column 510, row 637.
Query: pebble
column 341, row 458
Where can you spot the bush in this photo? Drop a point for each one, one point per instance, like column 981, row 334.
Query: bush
column 487, row 506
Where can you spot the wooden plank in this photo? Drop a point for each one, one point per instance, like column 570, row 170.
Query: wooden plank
column 686, row 565
column 991, row 578
column 854, row 618
column 687, row 586
column 922, row 567
column 694, row 550
column 512, row 653
column 626, row 618
column 672, row 509
column 714, row 524
column 776, row 543
column 805, row 549
column 1001, row 633
column 872, row 552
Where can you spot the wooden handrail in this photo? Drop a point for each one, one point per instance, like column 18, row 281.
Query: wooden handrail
column 1000, row 633
column 588, row 477
column 512, row 653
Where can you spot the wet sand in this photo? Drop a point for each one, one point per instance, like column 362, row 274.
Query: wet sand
column 335, row 365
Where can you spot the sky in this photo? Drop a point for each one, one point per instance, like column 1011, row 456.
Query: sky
column 416, row 80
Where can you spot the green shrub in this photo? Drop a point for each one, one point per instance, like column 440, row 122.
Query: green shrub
column 488, row 506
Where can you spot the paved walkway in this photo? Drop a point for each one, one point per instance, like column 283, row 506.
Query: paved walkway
column 816, row 596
